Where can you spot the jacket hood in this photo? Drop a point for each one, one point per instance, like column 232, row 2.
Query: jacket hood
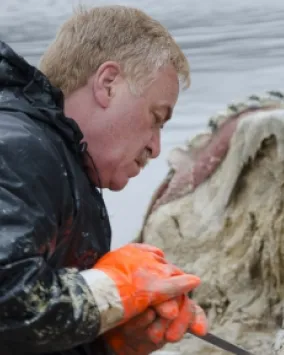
column 24, row 88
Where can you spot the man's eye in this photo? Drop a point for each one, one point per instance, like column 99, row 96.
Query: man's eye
column 159, row 121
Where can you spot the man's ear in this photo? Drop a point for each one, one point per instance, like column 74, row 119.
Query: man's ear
column 103, row 82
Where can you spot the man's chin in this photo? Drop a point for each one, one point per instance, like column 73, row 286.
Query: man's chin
column 122, row 180
column 118, row 185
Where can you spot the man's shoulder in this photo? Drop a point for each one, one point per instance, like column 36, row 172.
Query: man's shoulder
column 25, row 142
column 18, row 129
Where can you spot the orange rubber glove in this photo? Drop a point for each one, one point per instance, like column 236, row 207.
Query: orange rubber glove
column 191, row 317
column 132, row 278
column 149, row 332
column 132, row 338
column 168, row 309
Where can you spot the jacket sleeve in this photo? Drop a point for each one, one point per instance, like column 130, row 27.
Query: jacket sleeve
column 41, row 309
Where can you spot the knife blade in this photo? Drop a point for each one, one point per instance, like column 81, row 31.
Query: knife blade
column 223, row 344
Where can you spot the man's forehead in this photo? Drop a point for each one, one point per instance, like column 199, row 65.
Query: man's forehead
column 167, row 78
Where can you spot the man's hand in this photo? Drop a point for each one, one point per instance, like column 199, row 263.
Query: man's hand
column 132, row 338
column 149, row 331
column 137, row 277
column 190, row 317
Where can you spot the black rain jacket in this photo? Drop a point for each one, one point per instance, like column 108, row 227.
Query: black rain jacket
column 53, row 221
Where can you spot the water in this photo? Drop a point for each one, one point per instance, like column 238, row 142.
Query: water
column 234, row 49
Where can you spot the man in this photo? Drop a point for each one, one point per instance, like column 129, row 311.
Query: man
column 113, row 80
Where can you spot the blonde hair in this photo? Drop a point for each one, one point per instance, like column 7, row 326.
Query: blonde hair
column 140, row 44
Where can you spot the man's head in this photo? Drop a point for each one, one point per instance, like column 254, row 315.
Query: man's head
column 119, row 71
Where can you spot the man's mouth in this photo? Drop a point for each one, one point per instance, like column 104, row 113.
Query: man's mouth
column 143, row 160
column 139, row 165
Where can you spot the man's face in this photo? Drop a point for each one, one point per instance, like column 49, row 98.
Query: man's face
column 126, row 130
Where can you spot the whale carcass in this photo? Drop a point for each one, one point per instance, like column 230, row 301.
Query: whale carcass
column 219, row 214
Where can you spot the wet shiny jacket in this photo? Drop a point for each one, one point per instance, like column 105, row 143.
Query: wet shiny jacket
column 53, row 221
